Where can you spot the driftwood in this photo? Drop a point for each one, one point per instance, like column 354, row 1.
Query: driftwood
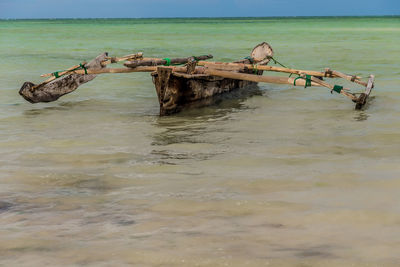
column 158, row 62
column 52, row 91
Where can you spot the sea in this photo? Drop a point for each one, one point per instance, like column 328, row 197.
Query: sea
column 285, row 176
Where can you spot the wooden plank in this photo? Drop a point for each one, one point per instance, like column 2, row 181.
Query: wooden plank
column 362, row 99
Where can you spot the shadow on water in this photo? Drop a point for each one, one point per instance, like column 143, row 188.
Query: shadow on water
column 5, row 206
column 194, row 125
column 63, row 106
column 188, row 125
column 44, row 110
column 361, row 115
column 310, row 252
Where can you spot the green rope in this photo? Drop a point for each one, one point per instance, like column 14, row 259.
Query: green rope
column 307, row 83
column 168, row 63
column 250, row 59
column 57, row 73
column 83, row 67
column 195, row 58
column 276, row 62
column 337, row 88
column 255, row 69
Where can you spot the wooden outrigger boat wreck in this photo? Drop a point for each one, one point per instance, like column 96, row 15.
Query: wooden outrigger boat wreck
column 182, row 82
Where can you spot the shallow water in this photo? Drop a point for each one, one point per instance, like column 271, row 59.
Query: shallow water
column 288, row 176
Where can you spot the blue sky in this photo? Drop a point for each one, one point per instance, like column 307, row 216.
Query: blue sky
column 191, row 8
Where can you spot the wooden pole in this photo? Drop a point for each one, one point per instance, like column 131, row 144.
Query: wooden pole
column 257, row 78
column 124, row 58
column 239, row 66
column 53, row 77
column 327, row 85
column 63, row 72
column 362, row 99
column 164, row 61
column 109, row 60
column 136, row 69
column 348, row 77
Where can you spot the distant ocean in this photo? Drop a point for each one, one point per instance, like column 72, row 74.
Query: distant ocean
column 288, row 176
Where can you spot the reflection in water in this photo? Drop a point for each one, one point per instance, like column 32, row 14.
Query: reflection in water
column 189, row 125
column 361, row 116
column 193, row 126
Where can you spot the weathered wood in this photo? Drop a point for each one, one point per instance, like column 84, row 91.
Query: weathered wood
column 362, row 99
column 257, row 78
column 59, row 87
column 191, row 66
column 108, row 60
column 240, row 66
column 184, row 90
column 158, row 62
column 68, row 71
column 330, row 86
column 137, row 69
column 261, row 55
column 62, row 72
column 350, row 78
column 124, row 58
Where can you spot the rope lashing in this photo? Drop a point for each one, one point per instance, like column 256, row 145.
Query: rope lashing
column 276, row 61
column 83, row 67
column 307, row 83
column 250, row 59
column 255, row 69
column 168, row 61
column 337, row 88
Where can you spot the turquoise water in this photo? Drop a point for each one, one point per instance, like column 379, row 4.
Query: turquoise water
column 290, row 176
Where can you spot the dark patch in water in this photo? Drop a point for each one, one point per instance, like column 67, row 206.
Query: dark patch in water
column 5, row 206
column 361, row 116
column 192, row 124
column 275, row 225
column 314, row 253
column 310, row 252
column 125, row 222
column 165, row 154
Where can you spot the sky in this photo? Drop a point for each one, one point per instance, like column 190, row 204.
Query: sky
column 19, row 9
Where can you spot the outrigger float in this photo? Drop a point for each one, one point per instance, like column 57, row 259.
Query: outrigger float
column 182, row 82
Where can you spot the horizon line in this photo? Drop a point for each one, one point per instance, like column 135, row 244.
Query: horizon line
column 228, row 17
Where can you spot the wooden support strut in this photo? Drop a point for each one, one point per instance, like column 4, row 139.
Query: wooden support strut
column 53, row 77
column 327, row 85
column 257, row 78
column 240, row 66
column 164, row 61
column 347, row 77
column 109, row 60
column 362, row 99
